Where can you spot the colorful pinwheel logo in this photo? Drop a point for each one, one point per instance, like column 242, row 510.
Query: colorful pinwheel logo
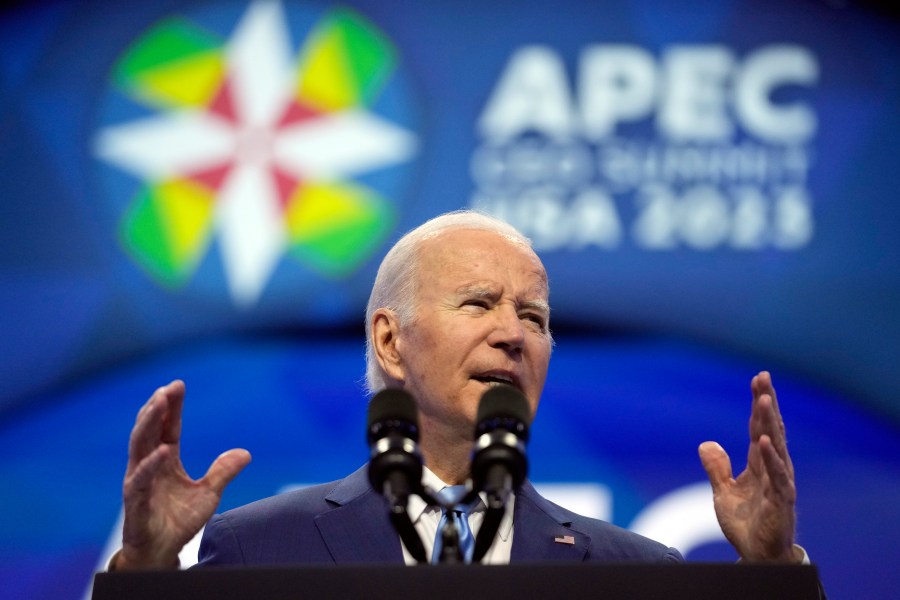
column 265, row 150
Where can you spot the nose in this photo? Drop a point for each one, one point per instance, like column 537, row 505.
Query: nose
column 508, row 332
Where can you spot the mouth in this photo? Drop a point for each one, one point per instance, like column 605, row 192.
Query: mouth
column 495, row 378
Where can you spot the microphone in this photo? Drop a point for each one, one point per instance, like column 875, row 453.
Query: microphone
column 499, row 464
column 395, row 464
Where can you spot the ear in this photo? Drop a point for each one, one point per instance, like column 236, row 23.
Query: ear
column 385, row 337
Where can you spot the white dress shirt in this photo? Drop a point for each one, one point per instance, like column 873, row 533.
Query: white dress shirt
column 425, row 519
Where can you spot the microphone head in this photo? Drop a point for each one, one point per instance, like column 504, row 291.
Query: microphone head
column 503, row 406
column 392, row 409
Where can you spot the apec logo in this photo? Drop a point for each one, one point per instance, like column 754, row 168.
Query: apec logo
column 218, row 131
column 700, row 149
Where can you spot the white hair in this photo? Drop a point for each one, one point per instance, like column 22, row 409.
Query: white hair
column 395, row 283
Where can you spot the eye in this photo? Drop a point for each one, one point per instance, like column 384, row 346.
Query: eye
column 477, row 303
column 535, row 318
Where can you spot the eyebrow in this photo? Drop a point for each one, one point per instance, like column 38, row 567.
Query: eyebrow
column 479, row 291
column 540, row 305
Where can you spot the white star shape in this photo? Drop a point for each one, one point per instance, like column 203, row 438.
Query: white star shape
column 248, row 217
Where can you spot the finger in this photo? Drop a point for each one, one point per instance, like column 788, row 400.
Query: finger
column 781, row 480
column 225, row 468
column 765, row 386
column 780, row 438
column 174, row 392
column 716, row 463
column 754, row 459
column 772, row 426
column 139, row 483
column 761, row 386
column 147, row 430
column 161, row 412
column 755, row 417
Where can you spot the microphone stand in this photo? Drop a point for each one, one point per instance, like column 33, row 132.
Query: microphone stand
column 399, row 516
column 493, row 515
column 404, row 526
column 451, row 553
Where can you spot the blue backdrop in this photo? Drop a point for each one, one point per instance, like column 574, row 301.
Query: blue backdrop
column 203, row 190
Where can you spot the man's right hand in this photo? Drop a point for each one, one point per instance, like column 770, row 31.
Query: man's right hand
column 164, row 508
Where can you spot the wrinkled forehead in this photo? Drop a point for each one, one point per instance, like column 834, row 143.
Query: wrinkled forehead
column 454, row 251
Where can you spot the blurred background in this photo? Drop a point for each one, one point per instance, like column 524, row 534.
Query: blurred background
column 204, row 190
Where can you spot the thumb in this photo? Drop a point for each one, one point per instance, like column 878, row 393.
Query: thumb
column 225, row 468
column 716, row 462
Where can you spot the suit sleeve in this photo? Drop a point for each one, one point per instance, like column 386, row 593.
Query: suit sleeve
column 672, row 556
column 219, row 544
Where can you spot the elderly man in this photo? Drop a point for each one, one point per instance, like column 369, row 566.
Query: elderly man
column 459, row 304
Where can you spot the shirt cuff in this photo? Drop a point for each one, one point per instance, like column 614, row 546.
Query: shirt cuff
column 111, row 563
column 805, row 560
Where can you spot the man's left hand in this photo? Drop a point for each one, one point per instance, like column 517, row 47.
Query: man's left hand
column 756, row 510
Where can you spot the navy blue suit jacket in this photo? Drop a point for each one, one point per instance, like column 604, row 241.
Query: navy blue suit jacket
column 347, row 522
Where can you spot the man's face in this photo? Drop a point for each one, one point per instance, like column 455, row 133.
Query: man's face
column 481, row 317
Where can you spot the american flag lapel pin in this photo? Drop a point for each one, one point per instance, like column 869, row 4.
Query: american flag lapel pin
column 564, row 539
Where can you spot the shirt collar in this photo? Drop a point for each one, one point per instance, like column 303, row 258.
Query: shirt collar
column 417, row 507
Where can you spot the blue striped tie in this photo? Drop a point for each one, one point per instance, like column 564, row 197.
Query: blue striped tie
column 453, row 494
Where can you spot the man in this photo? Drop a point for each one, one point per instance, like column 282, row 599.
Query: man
column 459, row 304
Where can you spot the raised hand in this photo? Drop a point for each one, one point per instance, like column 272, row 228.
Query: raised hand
column 756, row 510
column 164, row 508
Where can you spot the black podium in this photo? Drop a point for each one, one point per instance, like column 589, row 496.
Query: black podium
column 538, row 580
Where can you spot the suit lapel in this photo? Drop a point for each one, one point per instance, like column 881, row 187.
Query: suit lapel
column 541, row 531
column 358, row 529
